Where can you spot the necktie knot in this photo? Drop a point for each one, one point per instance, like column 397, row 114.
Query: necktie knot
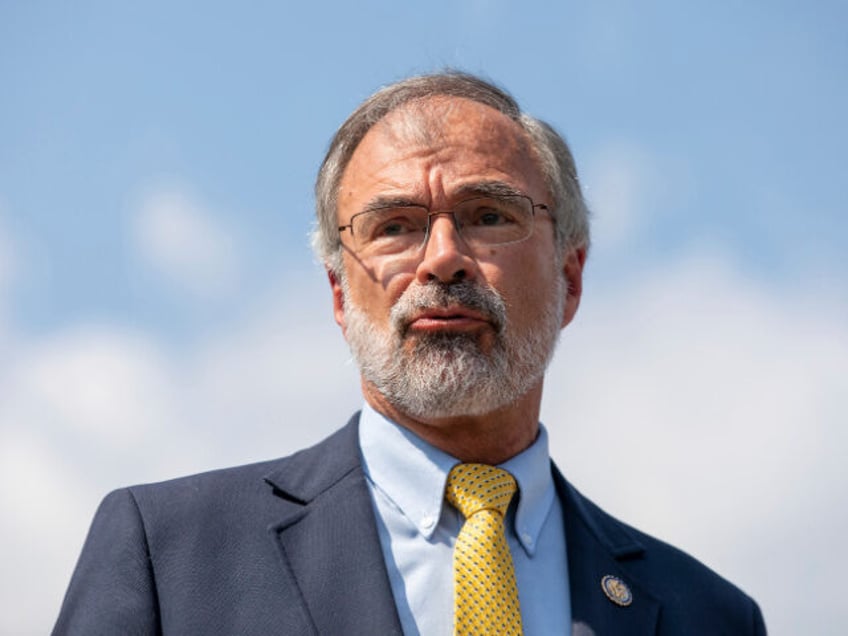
column 474, row 487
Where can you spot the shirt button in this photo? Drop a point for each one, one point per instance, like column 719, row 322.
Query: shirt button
column 428, row 522
column 527, row 538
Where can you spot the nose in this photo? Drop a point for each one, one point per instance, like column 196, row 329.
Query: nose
column 446, row 256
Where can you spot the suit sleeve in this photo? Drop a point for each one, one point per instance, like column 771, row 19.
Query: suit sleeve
column 112, row 590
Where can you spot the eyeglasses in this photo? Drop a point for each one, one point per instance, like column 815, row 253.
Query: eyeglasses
column 480, row 221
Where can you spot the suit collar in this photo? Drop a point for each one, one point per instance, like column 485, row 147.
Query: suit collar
column 599, row 546
column 310, row 472
column 328, row 538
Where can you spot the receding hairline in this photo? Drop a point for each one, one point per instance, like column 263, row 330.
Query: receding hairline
column 422, row 121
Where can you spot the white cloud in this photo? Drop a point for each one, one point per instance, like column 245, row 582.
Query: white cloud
column 98, row 383
column 45, row 512
column 185, row 243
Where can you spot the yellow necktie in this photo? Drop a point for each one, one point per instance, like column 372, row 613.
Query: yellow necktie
column 485, row 593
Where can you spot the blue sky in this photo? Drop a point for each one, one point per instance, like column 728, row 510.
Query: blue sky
column 160, row 311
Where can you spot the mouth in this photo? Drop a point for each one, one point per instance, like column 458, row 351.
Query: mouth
column 448, row 319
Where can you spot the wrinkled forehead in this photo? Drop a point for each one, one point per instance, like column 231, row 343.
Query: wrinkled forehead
column 434, row 121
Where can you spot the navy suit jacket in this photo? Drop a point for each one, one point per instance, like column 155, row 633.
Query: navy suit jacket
column 291, row 547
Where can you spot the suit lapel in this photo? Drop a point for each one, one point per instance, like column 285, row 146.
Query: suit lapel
column 599, row 546
column 328, row 538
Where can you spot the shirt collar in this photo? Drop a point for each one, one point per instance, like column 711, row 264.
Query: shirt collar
column 413, row 473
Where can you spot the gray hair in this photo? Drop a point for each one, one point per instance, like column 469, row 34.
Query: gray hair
column 570, row 212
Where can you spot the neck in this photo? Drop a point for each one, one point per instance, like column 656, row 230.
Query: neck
column 492, row 438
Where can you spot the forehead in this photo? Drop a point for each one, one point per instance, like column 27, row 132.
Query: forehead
column 428, row 148
column 441, row 120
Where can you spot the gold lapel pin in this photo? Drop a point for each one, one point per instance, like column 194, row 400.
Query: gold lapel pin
column 617, row 590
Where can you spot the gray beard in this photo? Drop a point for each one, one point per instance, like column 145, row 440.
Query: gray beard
column 448, row 374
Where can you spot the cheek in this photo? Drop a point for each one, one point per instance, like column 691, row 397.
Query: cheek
column 376, row 289
column 395, row 273
column 526, row 305
column 527, row 287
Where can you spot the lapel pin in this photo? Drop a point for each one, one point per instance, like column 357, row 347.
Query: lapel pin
column 617, row 590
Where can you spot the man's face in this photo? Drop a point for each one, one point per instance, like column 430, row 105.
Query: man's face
column 449, row 330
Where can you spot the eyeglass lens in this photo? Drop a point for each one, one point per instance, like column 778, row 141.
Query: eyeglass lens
column 480, row 221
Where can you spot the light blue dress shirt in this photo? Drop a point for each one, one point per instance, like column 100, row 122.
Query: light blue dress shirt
column 407, row 476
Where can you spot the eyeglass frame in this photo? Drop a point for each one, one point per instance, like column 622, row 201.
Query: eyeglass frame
column 452, row 212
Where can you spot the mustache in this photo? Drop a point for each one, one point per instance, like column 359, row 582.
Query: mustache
column 436, row 294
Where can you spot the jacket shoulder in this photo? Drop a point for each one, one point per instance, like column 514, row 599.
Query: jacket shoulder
column 158, row 555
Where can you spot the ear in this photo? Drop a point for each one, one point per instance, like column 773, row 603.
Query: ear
column 572, row 269
column 338, row 299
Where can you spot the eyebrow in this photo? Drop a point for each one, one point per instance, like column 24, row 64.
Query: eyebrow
column 468, row 190
column 382, row 202
column 489, row 189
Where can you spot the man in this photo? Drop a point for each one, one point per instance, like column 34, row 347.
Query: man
column 454, row 234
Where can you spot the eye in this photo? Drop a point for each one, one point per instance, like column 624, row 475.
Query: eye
column 492, row 213
column 393, row 223
column 491, row 217
column 396, row 227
